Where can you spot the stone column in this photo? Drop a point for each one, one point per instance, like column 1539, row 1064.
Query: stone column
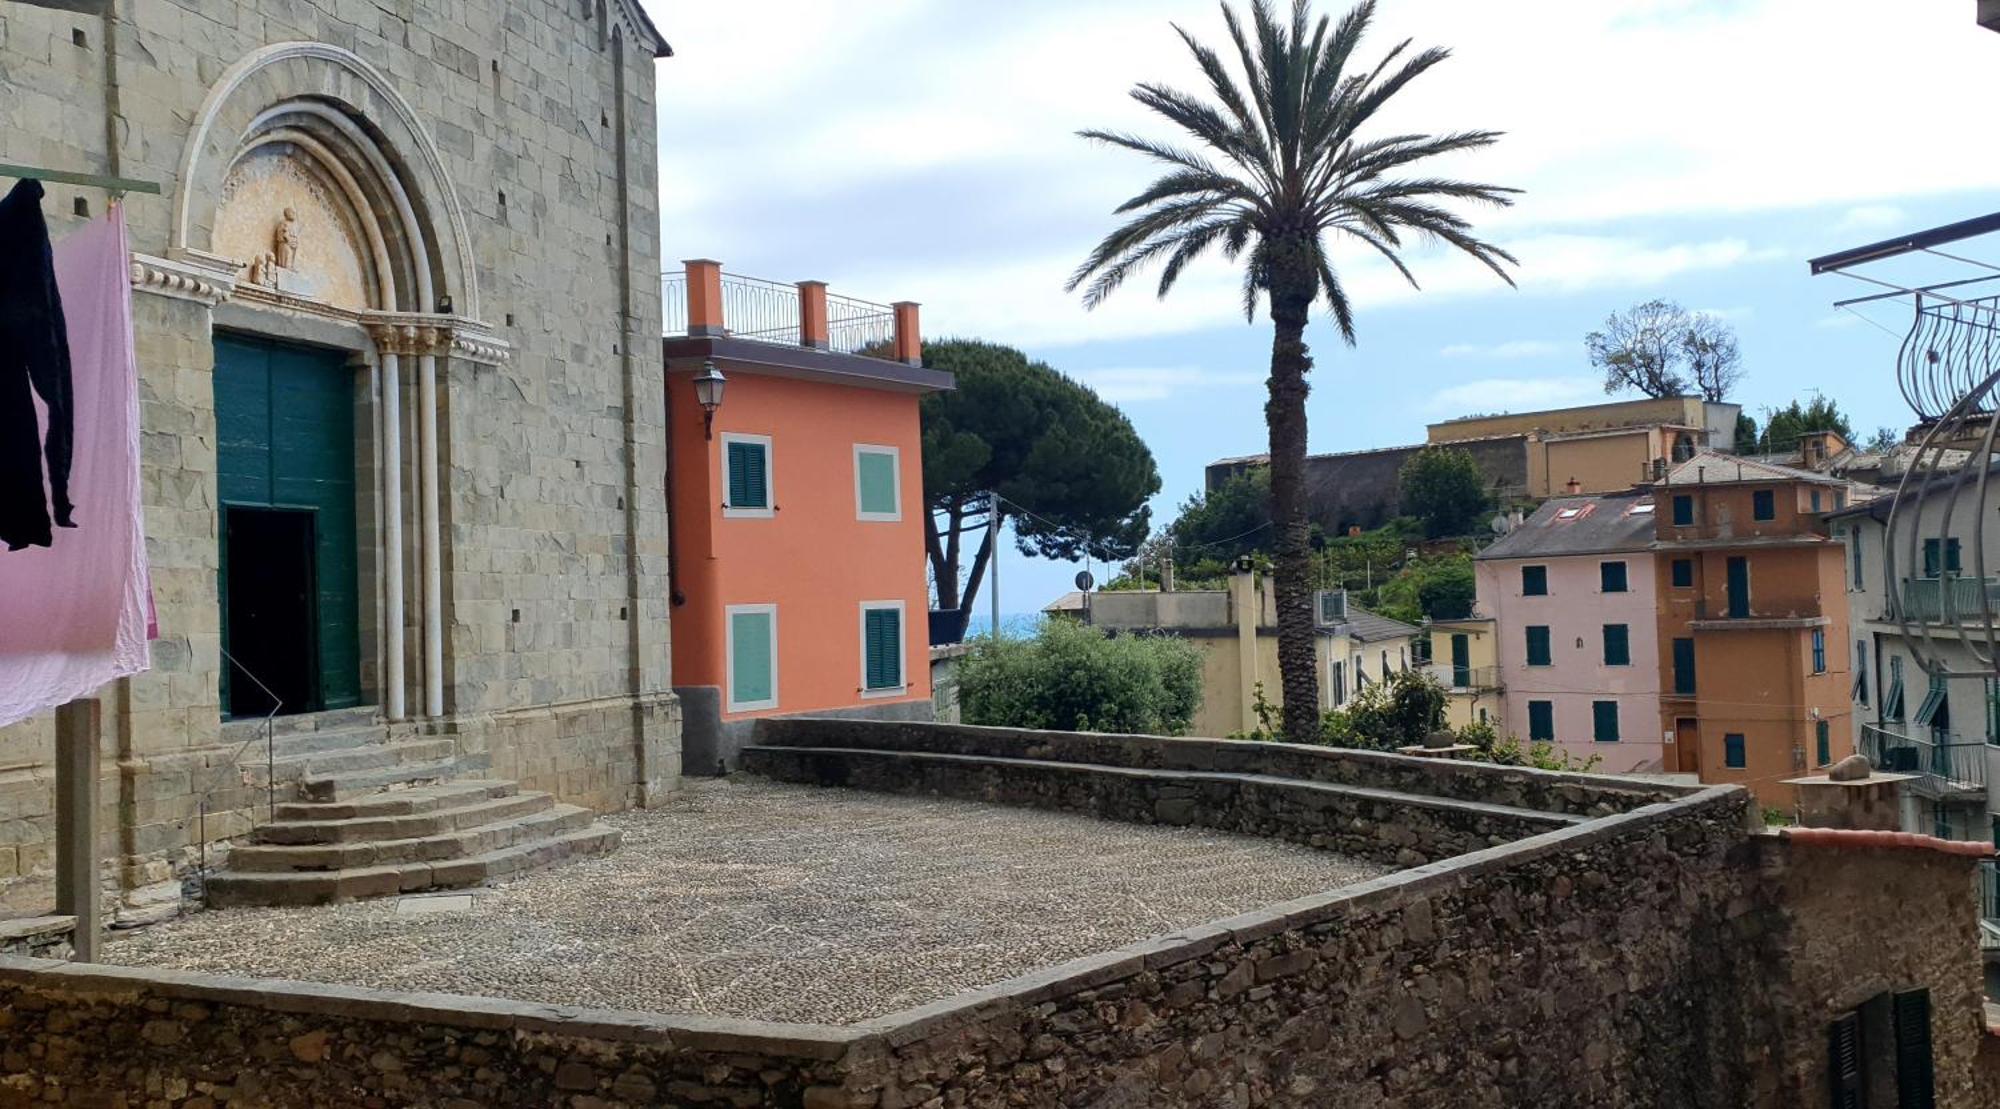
column 390, row 345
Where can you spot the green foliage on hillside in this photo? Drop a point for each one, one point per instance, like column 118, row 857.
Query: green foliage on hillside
column 1071, row 677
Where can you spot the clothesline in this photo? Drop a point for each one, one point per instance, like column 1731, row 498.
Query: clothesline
column 88, row 180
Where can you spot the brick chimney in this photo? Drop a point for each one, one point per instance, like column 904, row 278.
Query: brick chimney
column 704, row 293
column 1573, row 488
column 812, row 315
column 909, row 348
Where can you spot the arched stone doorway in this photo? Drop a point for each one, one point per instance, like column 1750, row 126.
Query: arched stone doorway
column 315, row 212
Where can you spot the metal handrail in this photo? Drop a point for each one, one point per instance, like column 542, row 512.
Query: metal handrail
column 856, row 326
column 1956, row 766
column 1950, row 598
column 1475, row 677
column 673, row 304
column 768, row 311
column 270, row 760
column 1989, row 892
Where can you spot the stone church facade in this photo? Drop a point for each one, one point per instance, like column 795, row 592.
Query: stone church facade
column 398, row 322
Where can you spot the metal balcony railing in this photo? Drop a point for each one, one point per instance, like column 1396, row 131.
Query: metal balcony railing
column 1949, row 769
column 768, row 312
column 1951, row 597
column 1707, row 609
column 1989, row 894
column 1465, row 679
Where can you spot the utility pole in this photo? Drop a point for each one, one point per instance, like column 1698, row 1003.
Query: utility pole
column 993, row 558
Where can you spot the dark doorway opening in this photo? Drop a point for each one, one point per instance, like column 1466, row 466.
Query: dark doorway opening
column 270, row 624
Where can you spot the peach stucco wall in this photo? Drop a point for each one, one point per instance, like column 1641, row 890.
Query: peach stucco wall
column 812, row 558
column 1575, row 612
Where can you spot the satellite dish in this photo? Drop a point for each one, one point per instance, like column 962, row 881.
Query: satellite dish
column 1498, row 524
column 1084, row 581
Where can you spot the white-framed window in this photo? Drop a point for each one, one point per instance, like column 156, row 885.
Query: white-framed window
column 884, row 646
column 752, row 661
column 747, row 484
column 878, row 483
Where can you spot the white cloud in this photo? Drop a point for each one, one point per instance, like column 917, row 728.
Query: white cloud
column 792, row 137
column 1872, row 217
column 1838, row 319
column 1513, row 348
column 1515, row 394
column 1145, row 383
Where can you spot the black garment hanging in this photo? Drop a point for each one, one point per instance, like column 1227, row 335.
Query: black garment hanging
column 34, row 362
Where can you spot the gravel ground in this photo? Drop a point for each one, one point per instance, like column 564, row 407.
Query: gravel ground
column 753, row 899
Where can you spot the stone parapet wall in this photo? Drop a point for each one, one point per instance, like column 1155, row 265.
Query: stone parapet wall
column 1518, row 787
column 1393, row 829
column 79, row 1035
column 1664, row 957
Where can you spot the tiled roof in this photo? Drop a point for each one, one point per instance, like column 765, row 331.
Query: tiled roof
column 1369, row 627
column 1715, row 468
column 1581, row 525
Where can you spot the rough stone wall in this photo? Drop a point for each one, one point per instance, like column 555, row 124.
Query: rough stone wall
column 553, row 517
column 1666, row 957
column 1392, row 829
column 107, row 1036
column 1538, row 790
column 1362, row 488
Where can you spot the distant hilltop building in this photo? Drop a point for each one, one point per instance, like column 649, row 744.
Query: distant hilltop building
column 1525, row 456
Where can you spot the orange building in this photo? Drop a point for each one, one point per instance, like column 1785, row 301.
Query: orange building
column 1753, row 618
column 796, row 500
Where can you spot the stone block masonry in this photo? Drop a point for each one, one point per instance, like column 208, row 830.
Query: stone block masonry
column 523, row 136
column 1664, row 956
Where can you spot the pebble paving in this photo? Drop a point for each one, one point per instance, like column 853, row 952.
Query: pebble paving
column 746, row 898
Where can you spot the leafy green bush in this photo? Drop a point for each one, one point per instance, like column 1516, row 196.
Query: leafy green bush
column 1400, row 712
column 1071, row 677
column 1510, row 751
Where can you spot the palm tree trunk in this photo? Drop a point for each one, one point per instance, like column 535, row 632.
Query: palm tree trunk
column 1292, row 288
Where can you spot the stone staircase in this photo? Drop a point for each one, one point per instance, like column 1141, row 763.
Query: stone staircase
column 382, row 809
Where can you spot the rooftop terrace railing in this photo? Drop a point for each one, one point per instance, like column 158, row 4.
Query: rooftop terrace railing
column 1945, row 769
column 764, row 311
column 1950, row 598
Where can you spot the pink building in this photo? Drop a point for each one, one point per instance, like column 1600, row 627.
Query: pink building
column 1573, row 599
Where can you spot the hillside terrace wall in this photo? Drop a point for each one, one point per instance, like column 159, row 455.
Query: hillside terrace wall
column 1663, row 956
column 1540, row 790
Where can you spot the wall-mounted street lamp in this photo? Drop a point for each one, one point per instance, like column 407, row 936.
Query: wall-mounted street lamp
column 708, row 391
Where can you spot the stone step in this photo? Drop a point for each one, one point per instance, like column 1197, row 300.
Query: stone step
column 236, row 888
column 452, row 844
column 376, row 756
column 402, row 802
column 334, row 720
column 408, row 826
column 361, row 783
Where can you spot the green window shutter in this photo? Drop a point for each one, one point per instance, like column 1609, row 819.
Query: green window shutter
column 875, row 482
column 1733, row 755
column 1764, row 505
column 1951, row 563
column 749, row 475
column 1604, row 721
column 1542, row 721
column 1538, row 646
column 1843, row 1059
column 1915, row 1082
column 882, row 638
column 1611, row 577
column 1823, row 741
column 1933, row 561
column 1534, row 581
column 1617, row 645
column 1683, row 511
column 1684, row 666
column 751, row 674
column 1683, row 573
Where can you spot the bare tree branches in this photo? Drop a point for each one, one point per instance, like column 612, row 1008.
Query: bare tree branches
column 1663, row 350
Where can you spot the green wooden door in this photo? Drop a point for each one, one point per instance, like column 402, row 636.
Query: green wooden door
column 284, row 420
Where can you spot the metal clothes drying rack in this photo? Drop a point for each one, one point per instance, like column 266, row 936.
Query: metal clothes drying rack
column 79, row 724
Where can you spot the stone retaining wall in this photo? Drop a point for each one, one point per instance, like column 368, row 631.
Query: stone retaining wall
column 1392, row 829
column 1540, row 790
column 1668, row 956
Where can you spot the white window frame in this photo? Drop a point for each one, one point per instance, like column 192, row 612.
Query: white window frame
column 902, row 649
column 770, row 477
column 729, row 615
column 896, row 479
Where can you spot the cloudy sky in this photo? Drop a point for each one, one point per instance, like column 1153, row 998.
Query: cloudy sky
column 1698, row 150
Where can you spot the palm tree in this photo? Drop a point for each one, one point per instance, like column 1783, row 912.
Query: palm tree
column 1277, row 172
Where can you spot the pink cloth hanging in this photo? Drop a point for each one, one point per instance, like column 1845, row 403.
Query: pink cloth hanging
column 77, row 614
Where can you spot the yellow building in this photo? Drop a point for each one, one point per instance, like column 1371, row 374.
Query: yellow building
column 1465, row 659
column 1236, row 630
